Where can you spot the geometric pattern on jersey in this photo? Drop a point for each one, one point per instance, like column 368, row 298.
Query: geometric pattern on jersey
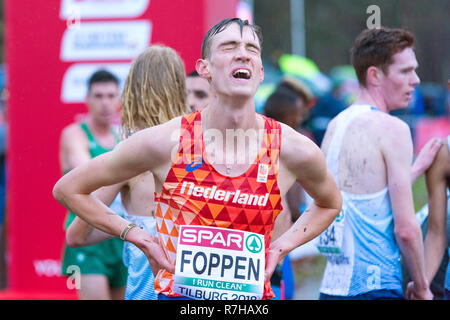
column 248, row 205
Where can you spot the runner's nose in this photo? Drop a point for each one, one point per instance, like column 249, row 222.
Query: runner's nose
column 242, row 54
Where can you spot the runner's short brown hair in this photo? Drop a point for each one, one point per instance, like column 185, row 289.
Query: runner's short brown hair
column 376, row 47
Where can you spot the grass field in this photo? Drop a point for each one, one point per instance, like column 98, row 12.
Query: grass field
column 420, row 193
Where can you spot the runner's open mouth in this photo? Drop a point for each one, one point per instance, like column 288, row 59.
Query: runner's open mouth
column 241, row 74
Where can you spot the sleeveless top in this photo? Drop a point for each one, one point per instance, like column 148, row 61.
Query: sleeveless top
column 240, row 203
column 360, row 246
column 95, row 148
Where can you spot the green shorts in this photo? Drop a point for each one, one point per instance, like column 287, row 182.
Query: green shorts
column 104, row 258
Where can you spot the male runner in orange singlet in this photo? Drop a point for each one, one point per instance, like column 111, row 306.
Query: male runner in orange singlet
column 202, row 179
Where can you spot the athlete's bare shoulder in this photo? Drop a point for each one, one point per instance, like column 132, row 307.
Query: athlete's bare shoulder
column 73, row 132
column 381, row 122
column 387, row 129
column 329, row 133
column 74, row 147
column 442, row 159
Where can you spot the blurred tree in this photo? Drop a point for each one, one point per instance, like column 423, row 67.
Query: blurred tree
column 332, row 25
column 274, row 19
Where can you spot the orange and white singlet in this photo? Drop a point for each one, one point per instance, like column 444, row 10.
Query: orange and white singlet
column 194, row 193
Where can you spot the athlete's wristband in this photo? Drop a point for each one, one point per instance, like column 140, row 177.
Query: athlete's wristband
column 126, row 230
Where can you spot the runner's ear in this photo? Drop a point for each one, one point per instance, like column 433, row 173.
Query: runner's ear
column 374, row 76
column 202, row 68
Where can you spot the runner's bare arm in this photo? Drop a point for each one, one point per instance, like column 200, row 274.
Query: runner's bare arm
column 74, row 148
column 80, row 233
column 307, row 164
column 436, row 238
column 396, row 148
column 425, row 158
column 145, row 150
column 73, row 191
column 283, row 221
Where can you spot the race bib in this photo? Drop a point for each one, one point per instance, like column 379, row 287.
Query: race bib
column 330, row 241
column 219, row 264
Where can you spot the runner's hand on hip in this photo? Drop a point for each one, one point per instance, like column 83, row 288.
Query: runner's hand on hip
column 275, row 256
column 152, row 248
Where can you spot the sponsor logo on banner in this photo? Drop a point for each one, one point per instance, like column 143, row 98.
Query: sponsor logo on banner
column 219, row 264
column 47, row 267
column 119, row 40
column 99, row 9
column 74, row 86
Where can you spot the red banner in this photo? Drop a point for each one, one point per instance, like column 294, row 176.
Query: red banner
column 51, row 50
column 426, row 129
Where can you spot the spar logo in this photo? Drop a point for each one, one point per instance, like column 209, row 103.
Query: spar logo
column 212, row 238
column 253, row 244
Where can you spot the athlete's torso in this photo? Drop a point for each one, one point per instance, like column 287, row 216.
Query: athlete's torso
column 362, row 168
column 138, row 195
column 95, row 148
column 194, row 193
column 360, row 244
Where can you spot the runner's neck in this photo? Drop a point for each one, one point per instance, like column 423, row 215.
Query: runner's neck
column 372, row 99
column 98, row 129
column 224, row 117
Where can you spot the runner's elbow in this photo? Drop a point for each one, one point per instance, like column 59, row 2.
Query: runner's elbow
column 74, row 237
column 408, row 233
column 73, row 241
column 336, row 205
column 59, row 193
